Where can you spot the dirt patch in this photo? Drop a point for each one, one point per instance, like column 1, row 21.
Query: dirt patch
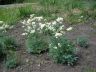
column 42, row 63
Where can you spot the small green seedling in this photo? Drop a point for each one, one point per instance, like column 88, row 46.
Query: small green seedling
column 82, row 41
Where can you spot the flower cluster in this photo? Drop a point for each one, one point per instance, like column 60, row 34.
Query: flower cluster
column 40, row 31
column 4, row 26
column 41, row 25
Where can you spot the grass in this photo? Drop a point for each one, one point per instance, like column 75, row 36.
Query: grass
column 72, row 10
column 12, row 15
column 9, row 15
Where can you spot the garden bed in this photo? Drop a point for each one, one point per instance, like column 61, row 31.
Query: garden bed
column 42, row 62
column 55, row 36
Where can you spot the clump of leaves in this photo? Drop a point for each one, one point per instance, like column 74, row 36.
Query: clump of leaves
column 36, row 43
column 11, row 60
column 82, row 41
column 10, row 43
column 8, row 49
column 61, row 50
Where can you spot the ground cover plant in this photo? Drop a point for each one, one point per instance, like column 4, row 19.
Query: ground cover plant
column 62, row 51
column 36, row 44
column 8, row 49
column 11, row 60
column 82, row 41
column 39, row 31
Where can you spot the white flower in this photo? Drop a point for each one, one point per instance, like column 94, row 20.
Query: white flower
column 24, row 34
column 54, row 22
column 59, row 44
column 23, row 26
column 81, row 16
column 61, row 27
column 23, row 22
column 32, row 31
column 42, row 26
column 69, row 29
column 63, row 32
column 32, row 15
column 6, row 26
column 29, row 27
column 58, row 34
column 1, row 28
column 1, row 22
column 45, row 19
column 48, row 23
column 55, row 47
column 51, row 28
column 28, row 21
column 39, row 18
column 59, row 19
column 33, row 22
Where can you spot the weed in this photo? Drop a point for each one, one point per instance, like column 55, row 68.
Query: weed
column 82, row 41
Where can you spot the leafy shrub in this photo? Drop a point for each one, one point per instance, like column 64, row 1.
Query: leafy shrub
column 7, row 45
column 10, row 43
column 36, row 43
column 82, row 41
column 11, row 59
column 61, row 50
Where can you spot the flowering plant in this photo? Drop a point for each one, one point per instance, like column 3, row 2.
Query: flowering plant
column 61, row 50
column 42, row 33
column 40, row 25
column 4, row 26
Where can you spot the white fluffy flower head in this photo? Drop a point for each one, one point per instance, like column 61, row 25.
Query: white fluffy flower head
column 69, row 29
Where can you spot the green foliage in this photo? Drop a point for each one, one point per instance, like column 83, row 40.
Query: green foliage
column 11, row 60
column 6, row 43
column 9, row 15
column 10, row 43
column 82, row 41
column 49, row 7
column 77, row 18
column 62, row 50
column 8, row 49
column 26, row 10
column 36, row 43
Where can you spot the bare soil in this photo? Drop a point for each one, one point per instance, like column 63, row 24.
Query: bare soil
column 42, row 63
